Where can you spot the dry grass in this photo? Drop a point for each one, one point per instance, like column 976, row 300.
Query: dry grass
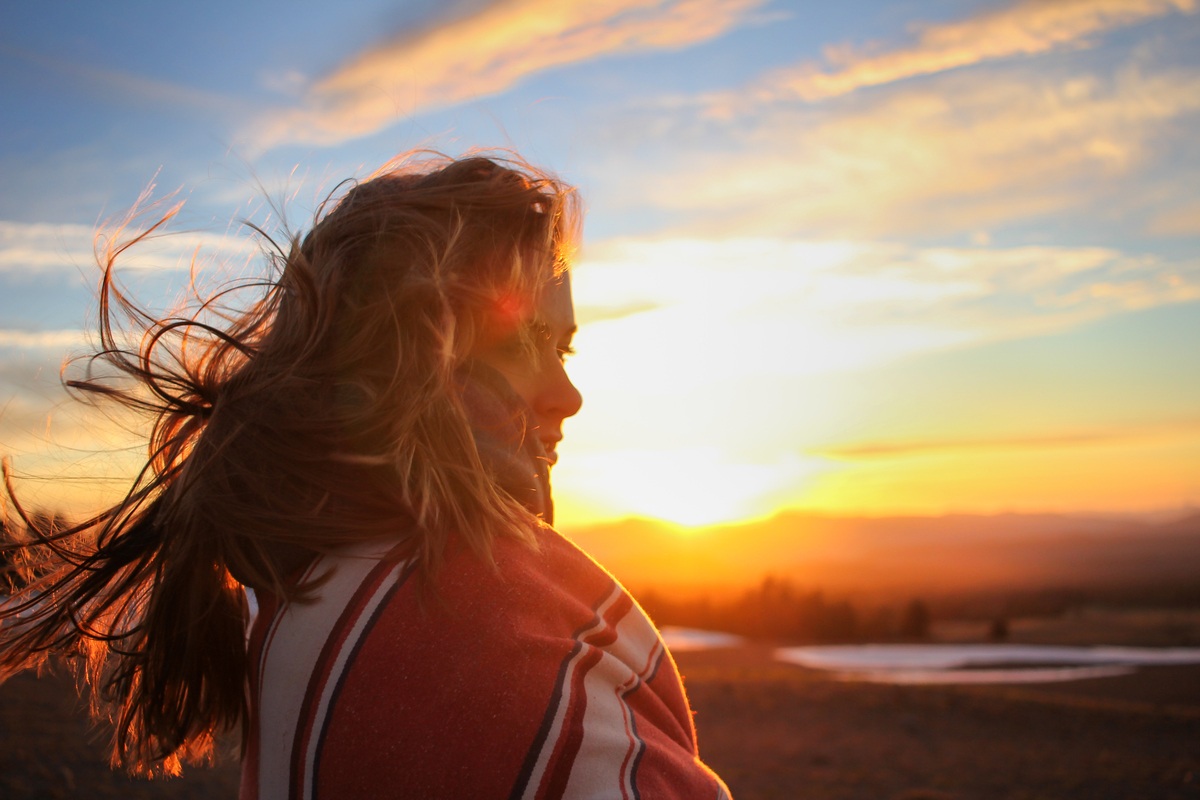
column 49, row 750
column 778, row 731
column 774, row 734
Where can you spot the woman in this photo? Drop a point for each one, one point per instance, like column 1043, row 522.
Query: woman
column 367, row 448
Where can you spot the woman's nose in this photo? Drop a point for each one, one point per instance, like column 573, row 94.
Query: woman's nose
column 559, row 397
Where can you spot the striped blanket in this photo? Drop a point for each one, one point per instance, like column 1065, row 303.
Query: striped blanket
column 540, row 678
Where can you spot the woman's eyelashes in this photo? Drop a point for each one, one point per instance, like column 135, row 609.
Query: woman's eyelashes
column 542, row 340
column 531, row 345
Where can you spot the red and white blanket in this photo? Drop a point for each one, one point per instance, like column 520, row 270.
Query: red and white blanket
column 539, row 678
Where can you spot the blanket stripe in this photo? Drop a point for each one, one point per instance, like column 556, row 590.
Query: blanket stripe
column 536, row 679
column 555, row 747
column 329, row 671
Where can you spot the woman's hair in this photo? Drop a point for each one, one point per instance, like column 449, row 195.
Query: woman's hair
column 329, row 410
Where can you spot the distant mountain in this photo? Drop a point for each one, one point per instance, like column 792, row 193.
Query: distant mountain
column 900, row 554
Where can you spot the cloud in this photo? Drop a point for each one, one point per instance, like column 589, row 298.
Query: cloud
column 486, row 53
column 958, row 154
column 42, row 340
column 934, row 447
column 1022, row 29
column 585, row 315
column 753, row 308
column 1182, row 220
column 37, row 247
column 899, row 449
column 757, row 347
column 34, row 247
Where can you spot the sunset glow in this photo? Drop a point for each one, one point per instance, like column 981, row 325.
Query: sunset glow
column 857, row 259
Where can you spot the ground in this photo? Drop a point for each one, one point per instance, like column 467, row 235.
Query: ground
column 48, row 750
column 777, row 731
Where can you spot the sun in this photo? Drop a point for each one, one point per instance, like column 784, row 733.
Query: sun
column 691, row 487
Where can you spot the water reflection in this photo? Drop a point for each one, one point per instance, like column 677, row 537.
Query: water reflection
column 980, row 663
column 951, row 663
column 679, row 640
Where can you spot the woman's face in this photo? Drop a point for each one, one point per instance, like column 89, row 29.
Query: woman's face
column 540, row 376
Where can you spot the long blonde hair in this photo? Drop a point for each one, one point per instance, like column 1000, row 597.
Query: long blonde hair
column 325, row 412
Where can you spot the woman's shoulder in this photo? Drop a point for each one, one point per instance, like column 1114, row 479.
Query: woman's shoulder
column 546, row 586
column 547, row 581
column 531, row 601
column 536, row 669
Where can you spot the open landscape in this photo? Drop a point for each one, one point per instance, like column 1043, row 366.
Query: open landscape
column 861, row 338
column 778, row 732
column 774, row 730
column 888, row 557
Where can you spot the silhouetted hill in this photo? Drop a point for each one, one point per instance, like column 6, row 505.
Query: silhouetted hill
column 890, row 555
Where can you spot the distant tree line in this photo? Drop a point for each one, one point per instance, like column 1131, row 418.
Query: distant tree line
column 778, row 610
column 1055, row 601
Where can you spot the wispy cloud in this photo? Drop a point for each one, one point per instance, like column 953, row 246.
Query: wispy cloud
column 586, row 315
column 778, row 307
column 485, row 53
column 900, row 449
column 1022, row 29
column 762, row 337
column 41, row 340
column 31, row 247
column 37, row 247
column 1182, row 220
column 965, row 152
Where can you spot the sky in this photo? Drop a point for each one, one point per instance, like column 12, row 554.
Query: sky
column 862, row 258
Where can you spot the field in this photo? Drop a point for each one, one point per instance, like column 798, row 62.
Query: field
column 776, row 731
column 47, row 750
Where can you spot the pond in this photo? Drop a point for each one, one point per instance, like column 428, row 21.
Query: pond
column 953, row 663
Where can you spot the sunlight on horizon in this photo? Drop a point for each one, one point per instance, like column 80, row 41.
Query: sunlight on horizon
column 692, row 487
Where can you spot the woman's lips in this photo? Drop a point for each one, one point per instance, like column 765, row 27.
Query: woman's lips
column 548, row 445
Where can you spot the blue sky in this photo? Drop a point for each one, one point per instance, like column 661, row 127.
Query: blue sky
column 862, row 257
